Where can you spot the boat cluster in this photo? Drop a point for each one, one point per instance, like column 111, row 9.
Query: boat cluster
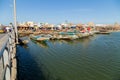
column 60, row 36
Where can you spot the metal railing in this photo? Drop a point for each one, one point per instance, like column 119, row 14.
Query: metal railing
column 8, row 57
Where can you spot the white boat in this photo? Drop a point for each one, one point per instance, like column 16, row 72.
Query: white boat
column 41, row 37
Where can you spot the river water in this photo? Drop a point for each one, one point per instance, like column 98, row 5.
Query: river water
column 93, row 58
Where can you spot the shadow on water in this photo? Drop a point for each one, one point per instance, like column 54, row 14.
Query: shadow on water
column 27, row 67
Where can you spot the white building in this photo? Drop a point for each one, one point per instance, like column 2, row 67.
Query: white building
column 64, row 25
column 101, row 25
column 30, row 23
column 22, row 24
column 85, row 25
column 39, row 24
column 58, row 27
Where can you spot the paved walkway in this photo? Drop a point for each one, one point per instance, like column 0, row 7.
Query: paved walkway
column 3, row 38
column 1, row 35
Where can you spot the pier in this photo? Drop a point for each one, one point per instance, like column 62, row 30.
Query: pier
column 8, row 63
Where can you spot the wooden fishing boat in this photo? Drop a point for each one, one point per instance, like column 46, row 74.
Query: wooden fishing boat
column 103, row 32
column 67, row 33
column 42, row 37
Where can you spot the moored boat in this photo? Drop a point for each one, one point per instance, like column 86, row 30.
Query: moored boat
column 103, row 32
column 67, row 33
column 41, row 37
column 63, row 37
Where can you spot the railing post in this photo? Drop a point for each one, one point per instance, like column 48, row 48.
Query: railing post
column 6, row 57
column 7, row 73
column 3, row 61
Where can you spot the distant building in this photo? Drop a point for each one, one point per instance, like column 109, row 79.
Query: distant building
column 39, row 25
column 91, row 24
column 57, row 27
column 64, row 25
column 1, row 24
column 30, row 24
column 22, row 24
column 85, row 25
column 100, row 25
column 116, row 25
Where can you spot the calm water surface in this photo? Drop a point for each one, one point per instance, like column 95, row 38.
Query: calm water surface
column 93, row 58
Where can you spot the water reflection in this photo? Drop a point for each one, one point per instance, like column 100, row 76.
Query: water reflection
column 85, row 42
column 28, row 69
column 42, row 44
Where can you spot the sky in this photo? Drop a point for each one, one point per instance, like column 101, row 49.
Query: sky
column 58, row 11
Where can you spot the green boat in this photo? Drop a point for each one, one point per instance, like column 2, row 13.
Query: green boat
column 67, row 33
